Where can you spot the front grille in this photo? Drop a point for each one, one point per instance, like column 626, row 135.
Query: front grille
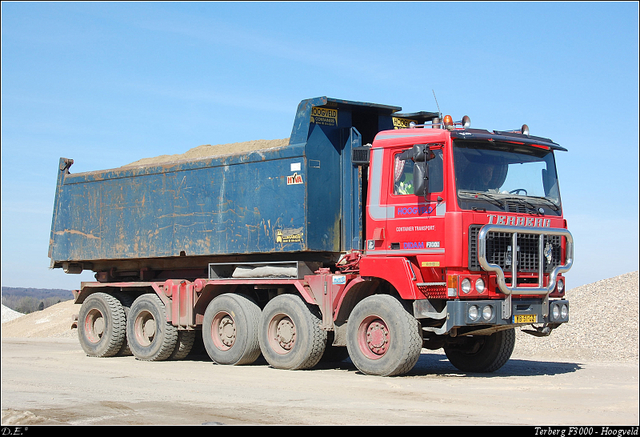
column 500, row 252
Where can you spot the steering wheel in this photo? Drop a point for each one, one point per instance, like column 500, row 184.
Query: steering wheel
column 518, row 190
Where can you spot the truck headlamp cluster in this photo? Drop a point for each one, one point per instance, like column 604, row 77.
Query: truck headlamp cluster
column 483, row 313
column 471, row 284
column 559, row 311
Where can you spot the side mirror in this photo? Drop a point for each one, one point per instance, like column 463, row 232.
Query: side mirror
column 421, row 154
column 420, row 178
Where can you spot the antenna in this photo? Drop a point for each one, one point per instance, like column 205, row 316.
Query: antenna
column 434, row 96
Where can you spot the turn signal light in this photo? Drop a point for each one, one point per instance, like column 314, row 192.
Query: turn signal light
column 452, row 281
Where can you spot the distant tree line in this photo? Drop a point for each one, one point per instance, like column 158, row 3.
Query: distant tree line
column 29, row 300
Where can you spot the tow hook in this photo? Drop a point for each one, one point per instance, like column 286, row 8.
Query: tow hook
column 540, row 331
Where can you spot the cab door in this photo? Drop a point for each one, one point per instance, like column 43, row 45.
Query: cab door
column 416, row 223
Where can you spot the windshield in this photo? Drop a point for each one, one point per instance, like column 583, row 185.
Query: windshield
column 495, row 175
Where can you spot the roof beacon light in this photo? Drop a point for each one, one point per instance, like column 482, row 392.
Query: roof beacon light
column 524, row 129
column 448, row 122
column 466, row 121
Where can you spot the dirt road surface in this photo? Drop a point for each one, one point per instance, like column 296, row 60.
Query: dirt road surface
column 51, row 381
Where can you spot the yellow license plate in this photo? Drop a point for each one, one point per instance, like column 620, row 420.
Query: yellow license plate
column 525, row 318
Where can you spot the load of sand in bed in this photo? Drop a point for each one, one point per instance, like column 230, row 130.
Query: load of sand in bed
column 207, row 151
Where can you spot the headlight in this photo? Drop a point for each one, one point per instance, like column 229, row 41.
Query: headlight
column 465, row 285
column 474, row 315
column 556, row 312
column 564, row 311
column 480, row 285
column 487, row 313
column 560, row 285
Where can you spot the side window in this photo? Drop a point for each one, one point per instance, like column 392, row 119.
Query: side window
column 403, row 174
column 436, row 178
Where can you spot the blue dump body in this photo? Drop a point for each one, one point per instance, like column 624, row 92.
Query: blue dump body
column 304, row 199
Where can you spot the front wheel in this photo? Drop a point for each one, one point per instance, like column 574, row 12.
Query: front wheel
column 382, row 337
column 483, row 353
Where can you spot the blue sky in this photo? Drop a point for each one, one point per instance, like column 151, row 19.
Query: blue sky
column 109, row 83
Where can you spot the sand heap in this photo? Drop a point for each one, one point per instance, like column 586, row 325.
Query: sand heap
column 207, row 151
column 9, row 314
column 603, row 324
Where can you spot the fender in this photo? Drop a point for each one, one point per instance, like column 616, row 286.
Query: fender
column 398, row 271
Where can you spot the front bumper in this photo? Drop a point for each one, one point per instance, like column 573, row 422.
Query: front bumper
column 489, row 314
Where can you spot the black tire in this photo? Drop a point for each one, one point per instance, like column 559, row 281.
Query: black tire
column 290, row 334
column 483, row 353
column 126, row 300
column 333, row 354
column 183, row 345
column 383, row 338
column 230, row 330
column 150, row 336
column 101, row 325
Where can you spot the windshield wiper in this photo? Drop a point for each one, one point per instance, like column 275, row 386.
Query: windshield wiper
column 484, row 196
column 548, row 202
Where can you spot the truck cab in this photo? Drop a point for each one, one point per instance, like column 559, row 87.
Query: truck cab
column 468, row 225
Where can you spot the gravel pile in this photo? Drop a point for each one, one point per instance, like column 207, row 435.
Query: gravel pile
column 54, row 321
column 9, row 314
column 603, row 324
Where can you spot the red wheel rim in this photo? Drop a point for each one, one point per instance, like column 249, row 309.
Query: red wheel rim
column 223, row 331
column 145, row 328
column 282, row 334
column 373, row 337
column 94, row 325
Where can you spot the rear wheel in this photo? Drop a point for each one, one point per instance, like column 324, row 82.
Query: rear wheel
column 230, row 329
column 126, row 300
column 185, row 342
column 290, row 333
column 150, row 336
column 382, row 337
column 333, row 354
column 483, row 353
column 101, row 325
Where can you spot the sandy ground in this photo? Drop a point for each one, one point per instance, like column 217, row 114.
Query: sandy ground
column 51, row 381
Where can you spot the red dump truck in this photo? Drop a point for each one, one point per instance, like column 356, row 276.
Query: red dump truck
column 373, row 234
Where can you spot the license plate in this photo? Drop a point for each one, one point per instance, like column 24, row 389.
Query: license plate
column 525, row 318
